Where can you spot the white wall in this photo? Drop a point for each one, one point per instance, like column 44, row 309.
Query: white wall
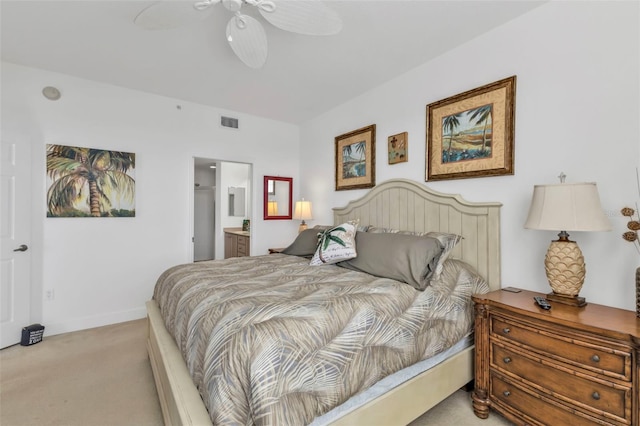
column 577, row 111
column 103, row 270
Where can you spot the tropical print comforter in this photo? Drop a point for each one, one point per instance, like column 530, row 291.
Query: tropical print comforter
column 271, row 340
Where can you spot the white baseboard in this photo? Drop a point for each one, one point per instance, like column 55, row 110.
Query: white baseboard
column 76, row 324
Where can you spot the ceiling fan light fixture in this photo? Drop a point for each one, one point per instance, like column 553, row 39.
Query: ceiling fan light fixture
column 232, row 5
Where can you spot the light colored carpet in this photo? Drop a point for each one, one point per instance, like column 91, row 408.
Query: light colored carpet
column 102, row 377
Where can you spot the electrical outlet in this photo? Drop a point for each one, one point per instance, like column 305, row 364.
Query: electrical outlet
column 49, row 295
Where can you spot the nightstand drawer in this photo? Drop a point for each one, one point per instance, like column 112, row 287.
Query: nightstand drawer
column 537, row 409
column 586, row 392
column 609, row 360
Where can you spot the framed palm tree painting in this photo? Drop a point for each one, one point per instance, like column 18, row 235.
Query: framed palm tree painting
column 356, row 159
column 87, row 182
column 472, row 134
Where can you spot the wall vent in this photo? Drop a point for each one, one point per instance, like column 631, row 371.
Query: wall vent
column 229, row 122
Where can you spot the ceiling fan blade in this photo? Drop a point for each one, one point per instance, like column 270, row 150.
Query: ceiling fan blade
column 248, row 40
column 164, row 15
column 310, row 17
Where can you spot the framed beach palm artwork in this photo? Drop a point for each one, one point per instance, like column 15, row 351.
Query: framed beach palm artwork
column 472, row 134
column 356, row 159
column 87, row 182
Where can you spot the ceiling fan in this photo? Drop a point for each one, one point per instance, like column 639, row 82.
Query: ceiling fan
column 245, row 34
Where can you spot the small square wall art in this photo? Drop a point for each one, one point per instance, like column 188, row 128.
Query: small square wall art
column 398, row 148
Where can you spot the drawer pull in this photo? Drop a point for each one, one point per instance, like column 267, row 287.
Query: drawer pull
column 506, row 360
column 595, row 358
column 506, row 330
column 506, row 393
column 595, row 396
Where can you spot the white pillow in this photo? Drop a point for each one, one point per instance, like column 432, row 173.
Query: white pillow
column 335, row 245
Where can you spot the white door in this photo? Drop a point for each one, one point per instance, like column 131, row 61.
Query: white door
column 15, row 234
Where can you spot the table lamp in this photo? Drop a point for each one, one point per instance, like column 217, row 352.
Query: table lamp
column 302, row 212
column 272, row 208
column 566, row 207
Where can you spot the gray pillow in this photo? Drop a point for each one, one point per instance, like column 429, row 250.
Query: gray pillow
column 448, row 241
column 305, row 243
column 408, row 258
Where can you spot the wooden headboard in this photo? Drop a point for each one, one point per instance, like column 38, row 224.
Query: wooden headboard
column 410, row 206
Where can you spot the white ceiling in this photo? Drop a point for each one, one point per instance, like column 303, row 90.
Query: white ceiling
column 304, row 75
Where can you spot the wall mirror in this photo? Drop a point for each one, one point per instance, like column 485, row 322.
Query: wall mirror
column 277, row 197
column 237, row 200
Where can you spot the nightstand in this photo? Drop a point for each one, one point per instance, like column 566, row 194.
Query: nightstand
column 276, row 250
column 563, row 366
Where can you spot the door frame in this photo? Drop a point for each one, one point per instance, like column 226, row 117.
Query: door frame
column 199, row 163
column 219, row 235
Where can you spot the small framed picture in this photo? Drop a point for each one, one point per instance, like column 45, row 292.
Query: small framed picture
column 398, row 148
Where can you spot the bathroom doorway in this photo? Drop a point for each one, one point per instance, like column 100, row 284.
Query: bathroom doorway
column 204, row 209
column 217, row 184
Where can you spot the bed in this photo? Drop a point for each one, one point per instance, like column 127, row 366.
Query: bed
column 393, row 205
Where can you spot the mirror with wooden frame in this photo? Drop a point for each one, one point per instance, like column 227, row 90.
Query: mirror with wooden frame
column 278, row 193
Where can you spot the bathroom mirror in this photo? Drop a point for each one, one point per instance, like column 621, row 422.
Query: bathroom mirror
column 236, row 201
column 277, row 197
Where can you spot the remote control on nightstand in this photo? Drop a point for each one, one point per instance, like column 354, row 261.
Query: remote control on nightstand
column 542, row 302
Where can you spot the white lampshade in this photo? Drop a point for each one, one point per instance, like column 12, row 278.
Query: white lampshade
column 272, row 208
column 567, row 207
column 302, row 210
